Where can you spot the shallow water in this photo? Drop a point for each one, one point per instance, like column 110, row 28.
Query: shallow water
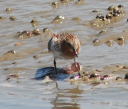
column 27, row 93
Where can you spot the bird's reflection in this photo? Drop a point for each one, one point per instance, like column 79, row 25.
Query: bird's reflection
column 67, row 99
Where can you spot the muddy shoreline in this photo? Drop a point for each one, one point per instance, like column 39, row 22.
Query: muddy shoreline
column 24, row 32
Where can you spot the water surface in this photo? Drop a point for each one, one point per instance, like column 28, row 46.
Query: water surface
column 27, row 93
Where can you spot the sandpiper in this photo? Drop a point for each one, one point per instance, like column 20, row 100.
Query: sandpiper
column 64, row 46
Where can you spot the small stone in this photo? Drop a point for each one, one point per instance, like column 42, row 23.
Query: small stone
column 12, row 76
column 9, row 9
column 95, row 83
column 110, row 8
column 120, row 66
column 11, row 52
column 109, row 43
column 102, row 31
column 100, row 16
column 104, row 77
column 126, row 76
column 109, row 16
column 6, row 69
column 35, row 57
column 13, row 62
column 95, row 11
column 118, row 78
column 85, row 78
column 120, row 6
column 1, row 18
column 24, row 34
column 34, row 22
column 12, row 18
column 125, row 67
column 121, row 41
column 55, row 4
column 58, row 19
column 96, row 42
column 36, row 32
column 45, row 30
column 94, row 75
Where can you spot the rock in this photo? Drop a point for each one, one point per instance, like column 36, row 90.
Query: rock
column 10, row 52
column 126, row 76
column 36, row 31
column 9, row 9
column 120, row 41
column 12, row 18
column 96, row 42
column 109, row 43
column 55, row 4
column 118, row 78
column 58, row 19
column 12, row 76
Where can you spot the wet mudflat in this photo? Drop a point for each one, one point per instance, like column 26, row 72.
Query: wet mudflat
column 102, row 27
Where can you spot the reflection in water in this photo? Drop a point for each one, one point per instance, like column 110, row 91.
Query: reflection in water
column 67, row 99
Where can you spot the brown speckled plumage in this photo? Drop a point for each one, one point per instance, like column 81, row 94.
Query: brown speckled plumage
column 64, row 45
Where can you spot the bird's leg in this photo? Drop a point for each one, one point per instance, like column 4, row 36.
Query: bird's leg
column 55, row 66
column 74, row 60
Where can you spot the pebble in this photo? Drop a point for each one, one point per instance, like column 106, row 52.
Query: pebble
column 14, row 62
column 35, row 57
column 109, row 43
column 120, row 66
column 120, row 41
column 55, row 4
column 104, row 77
column 9, row 9
column 94, row 75
column 36, row 31
column 1, row 18
column 34, row 22
column 114, row 14
column 58, row 19
column 10, row 52
column 95, row 11
column 45, row 30
column 12, row 76
column 18, row 44
column 24, row 34
column 118, row 78
column 12, row 18
column 96, row 42
column 126, row 76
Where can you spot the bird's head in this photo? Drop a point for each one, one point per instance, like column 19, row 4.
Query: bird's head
column 69, row 50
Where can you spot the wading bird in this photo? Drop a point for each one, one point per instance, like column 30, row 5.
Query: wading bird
column 64, row 46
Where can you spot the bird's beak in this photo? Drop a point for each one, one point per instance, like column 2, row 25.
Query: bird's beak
column 76, row 54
